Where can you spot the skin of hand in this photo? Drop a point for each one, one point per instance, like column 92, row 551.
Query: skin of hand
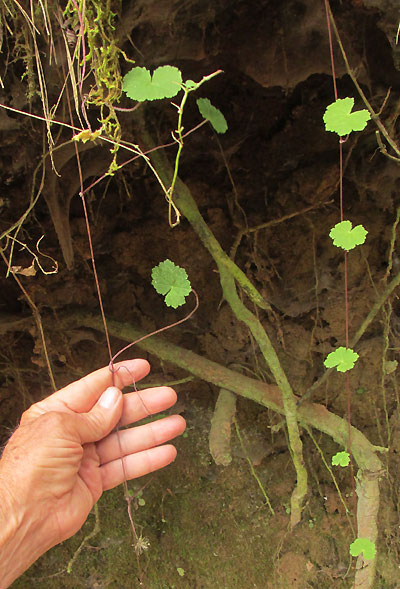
column 64, row 454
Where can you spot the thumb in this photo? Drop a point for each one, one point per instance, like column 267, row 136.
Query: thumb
column 102, row 418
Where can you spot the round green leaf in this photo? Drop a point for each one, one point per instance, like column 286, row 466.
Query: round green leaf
column 365, row 546
column 140, row 85
column 347, row 238
column 339, row 119
column 343, row 358
column 172, row 281
column 341, row 459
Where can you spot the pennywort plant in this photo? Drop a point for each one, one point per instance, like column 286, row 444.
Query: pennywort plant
column 340, row 119
column 166, row 82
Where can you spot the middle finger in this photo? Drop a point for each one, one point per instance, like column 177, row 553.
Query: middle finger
column 140, row 404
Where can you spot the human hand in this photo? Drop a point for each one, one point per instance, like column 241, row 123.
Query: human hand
column 64, row 455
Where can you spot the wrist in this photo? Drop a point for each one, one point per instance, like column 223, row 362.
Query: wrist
column 19, row 533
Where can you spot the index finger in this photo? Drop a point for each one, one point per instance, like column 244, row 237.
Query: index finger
column 81, row 395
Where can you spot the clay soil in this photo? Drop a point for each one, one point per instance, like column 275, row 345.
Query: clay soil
column 209, row 525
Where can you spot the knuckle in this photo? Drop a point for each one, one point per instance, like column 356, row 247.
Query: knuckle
column 52, row 420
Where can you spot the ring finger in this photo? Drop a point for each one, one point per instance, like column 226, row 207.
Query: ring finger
column 137, row 439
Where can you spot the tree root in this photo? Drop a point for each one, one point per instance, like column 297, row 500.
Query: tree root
column 220, row 432
column 230, row 276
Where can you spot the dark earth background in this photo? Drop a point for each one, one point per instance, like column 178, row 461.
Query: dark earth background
column 208, row 520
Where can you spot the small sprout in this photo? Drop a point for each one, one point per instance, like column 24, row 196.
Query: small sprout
column 172, row 281
column 365, row 546
column 181, row 572
column 347, row 238
column 361, row 390
column 339, row 119
column 343, row 358
column 141, row 501
column 341, row 459
column 212, row 114
column 390, row 366
column 140, row 85
column 190, row 84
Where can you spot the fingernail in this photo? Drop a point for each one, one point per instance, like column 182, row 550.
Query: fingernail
column 109, row 397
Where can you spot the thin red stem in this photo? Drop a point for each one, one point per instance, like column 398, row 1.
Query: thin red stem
column 328, row 22
column 157, row 330
column 346, row 298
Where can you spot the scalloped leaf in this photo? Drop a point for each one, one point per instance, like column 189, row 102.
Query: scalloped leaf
column 343, row 358
column 212, row 114
column 140, row 85
column 346, row 237
column 341, row 459
column 172, row 282
column 365, row 546
column 339, row 119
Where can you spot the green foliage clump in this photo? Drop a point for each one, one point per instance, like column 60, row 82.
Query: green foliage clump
column 101, row 59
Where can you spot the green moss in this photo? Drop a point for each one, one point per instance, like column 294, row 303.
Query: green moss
column 101, row 59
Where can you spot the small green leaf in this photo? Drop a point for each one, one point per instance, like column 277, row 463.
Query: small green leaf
column 390, row 366
column 141, row 501
column 343, row 358
column 339, row 119
column 171, row 281
column 347, row 238
column 341, row 459
column 181, row 572
column 190, row 84
column 212, row 114
column 140, row 85
column 361, row 391
column 365, row 546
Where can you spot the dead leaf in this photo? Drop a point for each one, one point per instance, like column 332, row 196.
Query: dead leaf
column 30, row 271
